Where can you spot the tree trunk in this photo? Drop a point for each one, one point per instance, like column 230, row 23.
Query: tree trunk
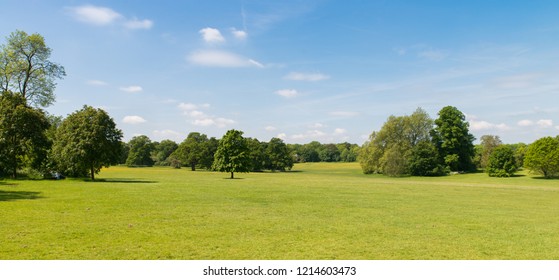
column 232, row 175
column 193, row 166
column 92, row 173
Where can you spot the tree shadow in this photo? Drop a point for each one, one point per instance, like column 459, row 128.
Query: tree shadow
column 121, row 181
column 16, row 195
column 546, row 178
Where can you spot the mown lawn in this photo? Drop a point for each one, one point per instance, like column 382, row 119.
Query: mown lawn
column 318, row 211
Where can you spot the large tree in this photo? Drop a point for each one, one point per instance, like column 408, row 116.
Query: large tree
column 23, row 139
column 452, row 138
column 488, row 145
column 388, row 150
column 192, row 150
column 542, row 157
column 25, row 68
column 86, row 141
column 140, row 151
column 232, row 154
column 162, row 152
column 279, row 157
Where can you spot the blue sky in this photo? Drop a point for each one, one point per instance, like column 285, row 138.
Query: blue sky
column 330, row 71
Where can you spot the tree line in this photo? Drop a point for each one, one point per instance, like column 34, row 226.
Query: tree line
column 420, row 146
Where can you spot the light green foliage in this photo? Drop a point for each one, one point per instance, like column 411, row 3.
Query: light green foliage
column 279, row 157
column 501, row 162
column 25, row 68
column 23, row 139
column 141, row 148
column 232, row 154
column 86, row 141
column 542, row 157
column 488, row 144
column 453, row 140
column 399, row 135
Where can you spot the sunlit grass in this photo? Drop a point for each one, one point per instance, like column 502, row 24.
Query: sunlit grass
column 319, row 211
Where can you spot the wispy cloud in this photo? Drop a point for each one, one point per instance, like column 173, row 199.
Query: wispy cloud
column 132, row 89
column 133, row 120
column 310, row 77
column 287, row 93
column 239, row 34
column 218, row 58
column 104, row 16
column 433, row 55
column 97, row 83
column 168, row 134
column 345, row 114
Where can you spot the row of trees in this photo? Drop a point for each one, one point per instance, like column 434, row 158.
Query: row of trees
column 418, row 145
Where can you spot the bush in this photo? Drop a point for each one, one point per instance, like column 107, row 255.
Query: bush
column 502, row 162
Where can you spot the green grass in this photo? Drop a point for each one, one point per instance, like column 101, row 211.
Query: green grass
column 319, row 211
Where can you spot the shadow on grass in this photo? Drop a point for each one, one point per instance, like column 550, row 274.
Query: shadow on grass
column 121, row 180
column 16, row 195
column 546, row 178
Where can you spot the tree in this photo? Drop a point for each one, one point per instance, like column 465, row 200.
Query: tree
column 141, row 148
column 278, row 155
column 329, row 153
column 257, row 152
column 424, row 160
column 192, row 150
column 399, row 135
column 488, row 144
column 501, row 162
column 25, row 68
column 23, row 139
column 542, row 157
column 86, row 141
column 162, row 151
column 232, row 154
column 453, row 139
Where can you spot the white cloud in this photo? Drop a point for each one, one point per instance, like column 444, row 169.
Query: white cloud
column 211, row 35
column 132, row 89
column 133, row 120
column 525, row 123
column 270, row 128
column 287, row 93
column 476, row 125
column 544, row 123
column 168, row 134
column 217, row 58
column 103, row 16
column 317, row 125
column 339, row 131
column 282, row 136
column 199, row 118
column 138, row 24
column 96, row 83
column 310, row 77
column 516, row 81
column 94, row 15
column 344, row 114
column 239, row 34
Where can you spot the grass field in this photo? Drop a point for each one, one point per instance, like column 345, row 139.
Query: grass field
column 318, row 211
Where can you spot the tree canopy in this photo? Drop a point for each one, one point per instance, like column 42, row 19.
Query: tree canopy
column 25, row 68
column 232, row 154
column 140, row 151
column 23, row 139
column 542, row 157
column 86, row 141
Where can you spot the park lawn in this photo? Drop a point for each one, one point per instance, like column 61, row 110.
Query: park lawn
column 317, row 211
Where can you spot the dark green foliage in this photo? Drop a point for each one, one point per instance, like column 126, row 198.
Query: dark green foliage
column 25, row 68
column 453, row 139
column 196, row 150
column 141, row 148
column 86, row 141
column 542, row 157
column 424, row 160
column 23, row 139
column 501, row 162
column 329, row 153
column 232, row 154
column 488, row 144
column 257, row 152
column 162, row 151
column 278, row 155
